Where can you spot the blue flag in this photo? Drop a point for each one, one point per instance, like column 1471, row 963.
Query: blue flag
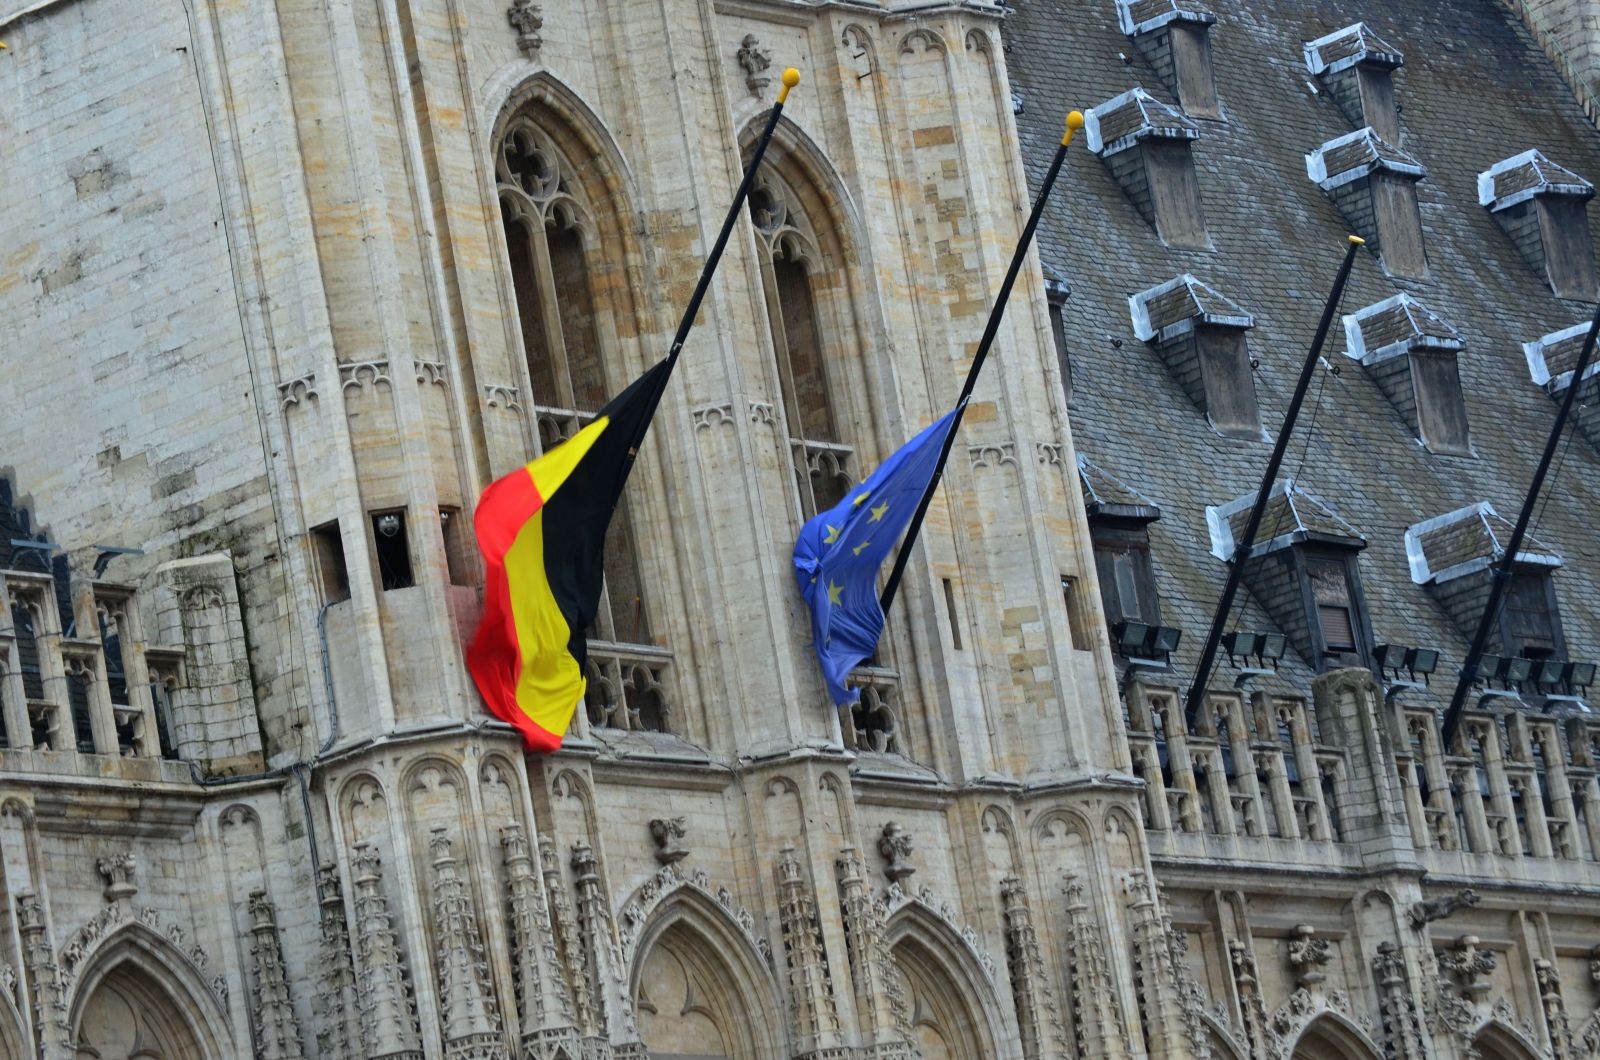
column 838, row 553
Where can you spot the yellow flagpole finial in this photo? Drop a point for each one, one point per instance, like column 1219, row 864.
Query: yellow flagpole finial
column 1358, row 241
column 1074, row 123
column 791, row 77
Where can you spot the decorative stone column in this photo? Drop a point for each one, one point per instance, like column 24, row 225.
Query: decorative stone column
column 568, row 946
column 388, row 1016
column 1097, row 1018
column 816, row 1014
column 603, row 954
column 44, row 975
column 546, row 1006
column 1402, row 1026
column 1160, row 1008
column 277, row 1032
column 880, row 1001
column 338, row 1008
column 466, row 996
column 1038, row 1018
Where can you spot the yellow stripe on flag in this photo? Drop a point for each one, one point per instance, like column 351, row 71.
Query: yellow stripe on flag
column 549, row 682
column 551, row 470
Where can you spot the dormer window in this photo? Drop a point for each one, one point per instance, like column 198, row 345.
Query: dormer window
column 1357, row 67
column 1454, row 554
column 1119, row 525
column 1200, row 334
column 1145, row 143
column 1544, row 209
column 1553, row 359
column 1373, row 183
column 1174, row 37
column 1410, row 352
column 1303, row 568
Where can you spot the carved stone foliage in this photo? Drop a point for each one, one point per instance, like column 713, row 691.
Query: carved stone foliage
column 388, row 1014
column 668, row 833
column 895, row 846
column 1554, row 1007
column 548, row 1023
column 881, row 1004
column 277, row 1032
column 91, row 936
column 527, row 18
column 603, row 958
column 117, row 870
column 1303, row 1006
column 1402, row 1025
column 1308, row 955
column 1097, row 1020
column 813, row 1005
column 466, row 993
column 337, row 1009
column 893, row 897
column 1038, row 1017
column 1423, row 913
column 1467, row 964
column 49, row 991
column 753, row 59
column 668, row 880
column 1247, row 982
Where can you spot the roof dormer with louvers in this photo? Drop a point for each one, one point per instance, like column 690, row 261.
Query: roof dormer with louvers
column 1553, row 359
column 1173, row 36
column 1357, row 67
column 1410, row 352
column 1452, row 556
column 1373, row 183
column 1543, row 207
column 1146, row 145
column 1200, row 336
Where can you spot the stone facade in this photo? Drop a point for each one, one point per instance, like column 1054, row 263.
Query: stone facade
column 289, row 283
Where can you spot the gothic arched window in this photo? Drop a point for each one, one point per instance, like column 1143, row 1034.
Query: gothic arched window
column 559, row 231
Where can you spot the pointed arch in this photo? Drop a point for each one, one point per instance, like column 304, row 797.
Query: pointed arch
column 137, row 971
column 696, row 979
column 1332, row 1036
column 13, row 1042
column 1496, row 1040
column 954, row 1010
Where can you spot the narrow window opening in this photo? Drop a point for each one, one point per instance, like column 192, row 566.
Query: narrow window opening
column 1339, row 627
column 574, row 303
column 328, row 545
column 457, row 546
column 530, row 311
column 950, row 608
column 1076, row 620
column 393, row 549
column 1175, row 194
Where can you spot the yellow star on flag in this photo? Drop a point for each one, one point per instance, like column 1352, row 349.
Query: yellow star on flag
column 877, row 513
column 834, row 589
column 859, row 498
column 861, row 547
column 833, row 535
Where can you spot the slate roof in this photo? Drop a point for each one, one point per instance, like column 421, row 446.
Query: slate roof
column 1356, row 155
column 1352, row 46
column 1464, row 541
column 1291, row 515
column 1105, row 494
column 1178, row 305
column 1394, row 326
column 1278, row 241
column 1147, row 16
column 1122, row 121
column 1521, row 177
column 1552, row 358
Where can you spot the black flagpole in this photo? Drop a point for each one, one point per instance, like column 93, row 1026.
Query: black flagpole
column 1241, row 553
column 1502, row 572
column 1074, row 123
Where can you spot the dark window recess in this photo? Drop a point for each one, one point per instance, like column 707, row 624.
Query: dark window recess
column 112, row 648
column 78, row 704
column 5, row 735
column 28, row 651
column 457, row 546
column 1441, row 406
column 1291, row 760
column 1330, row 802
column 1127, row 580
column 1529, row 623
column 1056, row 292
column 163, row 703
column 1077, row 621
column 1568, row 249
column 393, row 549
column 1338, row 634
column 950, row 609
column 328, row 545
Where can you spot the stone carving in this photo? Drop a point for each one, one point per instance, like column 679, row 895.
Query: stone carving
column 337, row 1009
column 895, row 846
column 548, row 1024
column 564, row 927
column 606, row 968
column 1247, row 981
column 985, row 456
column 708, row 416
column 1096, row 1014
column 1048, row 453
column 361, row 375
column 1468, row 965
column 668, row 833
column 527, row 19
column 117, row 870
column 1424, row 913
column 295, row 391
column 388, row 1014
column 1160, row 1005
column 87, row 939
column 49, row 991
column 433, row 372
column 1594, row 966
column 500, row 396
column 880, row 1000
column 1038, row 1018
column 277, row 1032
column 1555, row 1008
column 466, row 994
column 815, row 1011
column 753, row 59
column 668, row 879
column 199, row 597
column 1402, row 1026
column 763, row 413
column 8, row 983
column 1307, row 956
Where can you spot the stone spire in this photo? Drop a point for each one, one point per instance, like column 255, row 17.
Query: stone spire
column 565, row 931
column 602, row 953
column 1402, row 1030
column 1190, row 999
column 1043, row 1035
column 816, row 1013
column 388, row 1017
column 1252, row 1007
column 277, row 1032
column 546, row 1006
column 39, row 958
column 466, row 997
column 880, row 1000
column 1555, row 1008
column 338, row 1010
column 1160, row 1007
column 1096, row 1013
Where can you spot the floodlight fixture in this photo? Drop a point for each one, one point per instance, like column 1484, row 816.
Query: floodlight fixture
column 1273, row 647
column 1515, row 669
column 1130, row 636
column 1164, row 639
column 1549, row 672
column 1421, row 662
column 1579, row 675
column 1390, row 656
column 1488, row 667
column 1238, row 645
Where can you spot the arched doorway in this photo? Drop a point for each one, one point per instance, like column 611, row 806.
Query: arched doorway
column 948, row 999
column 138, row 998
column 699, row 989
column 1496, row 1041
column 1329, row 1037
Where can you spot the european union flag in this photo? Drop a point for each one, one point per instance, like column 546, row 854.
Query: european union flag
column 837, row 556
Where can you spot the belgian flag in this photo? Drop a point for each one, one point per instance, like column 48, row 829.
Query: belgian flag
column 542, row 532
